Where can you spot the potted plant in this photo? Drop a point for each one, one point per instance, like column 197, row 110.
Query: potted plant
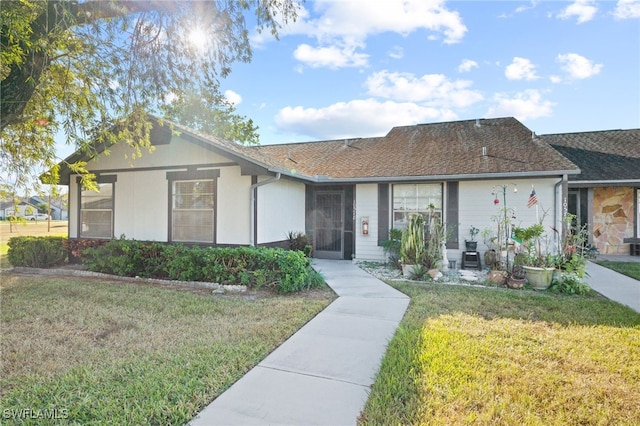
column 412, row 251
column 516, row 278
column 472, row 244
column 537, row 263
column 491, row 255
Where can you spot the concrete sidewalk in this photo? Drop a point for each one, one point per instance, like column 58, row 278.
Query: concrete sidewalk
column 614, row 286
column 323, row 373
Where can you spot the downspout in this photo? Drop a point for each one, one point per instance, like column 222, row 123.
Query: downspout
column 252, row 205
column 563, row 194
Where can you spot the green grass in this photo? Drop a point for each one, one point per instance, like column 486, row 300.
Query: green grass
column 630, row 269
column 470, row 355
column 119, row 353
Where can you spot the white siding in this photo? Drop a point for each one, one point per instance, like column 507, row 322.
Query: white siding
column 141, row 203
column 73, row 208
column 281, row 208
column 178, row 152
column 233, row 207
column 477, row 207
column 142, row 200
column 367, row 206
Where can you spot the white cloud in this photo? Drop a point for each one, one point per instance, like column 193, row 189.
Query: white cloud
column 358, row 19
column 583, row 10
column 627, row 9
column 523, row 106
column 577, row 66
column 341, row 28
column 357, row 118
column 467, row 65
column 232, row 97
column 520, row 69
column 331, row 57
column 432, row 89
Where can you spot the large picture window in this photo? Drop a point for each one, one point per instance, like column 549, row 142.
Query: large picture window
column 96, row 212
column 421, row 198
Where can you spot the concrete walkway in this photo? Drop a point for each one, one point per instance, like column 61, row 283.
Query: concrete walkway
column 323, row 373
column 614, row 285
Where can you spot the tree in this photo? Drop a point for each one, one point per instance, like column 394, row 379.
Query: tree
column 94, row 69
column 211, row 113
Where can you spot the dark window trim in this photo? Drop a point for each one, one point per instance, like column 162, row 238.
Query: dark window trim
column 383, row 213
column 452, row 214
column 192, row 174
column 100, row 179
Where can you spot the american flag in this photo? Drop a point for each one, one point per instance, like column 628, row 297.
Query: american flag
column 533, row 200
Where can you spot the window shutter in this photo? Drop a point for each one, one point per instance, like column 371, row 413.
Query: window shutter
column 452, row 215
column 383, row 212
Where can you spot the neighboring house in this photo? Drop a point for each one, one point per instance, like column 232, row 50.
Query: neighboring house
column 6, row 208
column 606, row 194
column 57, row 213
column 22, row 209
column 345, row 194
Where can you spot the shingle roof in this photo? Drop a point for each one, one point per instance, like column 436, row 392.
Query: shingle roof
column 603, row 155
column 424, row 151
column 440, row 149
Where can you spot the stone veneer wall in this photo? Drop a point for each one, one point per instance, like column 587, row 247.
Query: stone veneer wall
column 613, row 211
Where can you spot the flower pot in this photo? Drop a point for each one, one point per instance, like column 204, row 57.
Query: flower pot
column 471, row 245
column 513, row 282
column 497, row 277
column 539, row 278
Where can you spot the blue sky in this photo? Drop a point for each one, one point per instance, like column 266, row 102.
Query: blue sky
column 351, row 68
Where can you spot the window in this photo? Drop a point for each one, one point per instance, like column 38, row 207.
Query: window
column 193, row 211
column 415, row 198
column 96, row 210
column 192, row 205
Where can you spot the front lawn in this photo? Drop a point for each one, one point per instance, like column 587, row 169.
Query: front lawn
column 471, row 355
column 95, row 352
column 630, row 269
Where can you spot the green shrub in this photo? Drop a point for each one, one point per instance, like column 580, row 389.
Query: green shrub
column 75, row 248
column 301, row 242
column 36, row 252
column 569, row 283
column 284, row 271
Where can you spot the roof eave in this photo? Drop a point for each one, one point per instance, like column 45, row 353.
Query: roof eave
column 600, row 183
column 473, row 176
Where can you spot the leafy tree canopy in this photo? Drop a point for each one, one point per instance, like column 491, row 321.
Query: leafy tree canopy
column 93, row 69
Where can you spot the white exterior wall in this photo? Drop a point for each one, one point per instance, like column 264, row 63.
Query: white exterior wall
column 140, row 202
column 233, row 207
column 141, row 197
column 367, row 206
column 476, row 207
column 281, row 208
column 73, row 208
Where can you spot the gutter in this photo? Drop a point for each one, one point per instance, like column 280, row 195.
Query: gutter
column 435, row 178
column 252, row 205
